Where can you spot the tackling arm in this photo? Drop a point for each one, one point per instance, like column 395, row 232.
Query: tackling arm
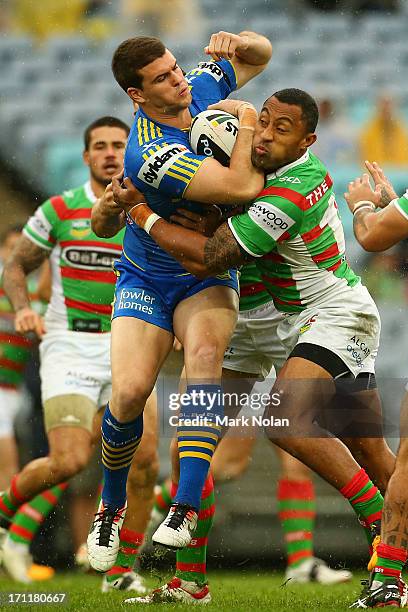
column 107, row 217
column 198, row 254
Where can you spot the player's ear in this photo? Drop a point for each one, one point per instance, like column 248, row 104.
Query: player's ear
column 85, row 157
column 308, row 140
column 136, row 95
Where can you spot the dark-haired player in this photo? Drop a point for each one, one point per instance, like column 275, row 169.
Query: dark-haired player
column 75, row 368
column 155, row 296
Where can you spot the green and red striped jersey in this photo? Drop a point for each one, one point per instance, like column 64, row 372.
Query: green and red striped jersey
column 81, row 263
column 294, row 230
column 14, row 349
column 252, row 291
column 402, row 204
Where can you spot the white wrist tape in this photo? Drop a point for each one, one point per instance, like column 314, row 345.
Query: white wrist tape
column 151, row 220
column 364, row 204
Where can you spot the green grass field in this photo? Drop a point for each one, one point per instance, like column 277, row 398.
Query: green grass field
column 231, row 590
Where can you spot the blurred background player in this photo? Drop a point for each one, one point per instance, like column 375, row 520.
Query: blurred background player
column 75, row 369
column 377, row 232
column 155, row 297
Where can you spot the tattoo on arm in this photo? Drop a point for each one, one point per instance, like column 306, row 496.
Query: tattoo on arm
column 385, row 197
column 25, row 258
column 222, row 251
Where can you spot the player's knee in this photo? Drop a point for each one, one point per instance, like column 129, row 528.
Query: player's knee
column 144, row 470
column 205, row 354
column 129, row 399
column 66, row 465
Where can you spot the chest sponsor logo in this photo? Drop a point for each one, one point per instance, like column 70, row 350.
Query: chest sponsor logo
column 270, row 218
column 156, row 166
column 80, row 228
column 209, row 68
column 89, row 258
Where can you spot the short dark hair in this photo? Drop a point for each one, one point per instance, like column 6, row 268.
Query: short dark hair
column 298, row 97
column 102, row 122
column 131, row 56
column 16, row 228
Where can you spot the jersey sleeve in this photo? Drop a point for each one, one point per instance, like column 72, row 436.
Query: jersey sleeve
column 267, row 222
column 168, row 167
column 41, row 226
column 212, row 80
column 401, row 204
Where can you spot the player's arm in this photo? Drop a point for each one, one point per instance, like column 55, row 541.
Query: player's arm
column 248, row 52
column 240, row 183
column 108, row 217
column 198, row 254
column 26, row 257
column 377, row 231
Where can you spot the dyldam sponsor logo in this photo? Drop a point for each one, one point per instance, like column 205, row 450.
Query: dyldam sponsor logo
column 150, row 170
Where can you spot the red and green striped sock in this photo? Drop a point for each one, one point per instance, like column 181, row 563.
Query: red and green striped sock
column 30, row 516
column 297, row 512
column 365, row 499
column 11, row 500
column 191, row 561
column 162, row 498
column 390, row 562
column 130, row 542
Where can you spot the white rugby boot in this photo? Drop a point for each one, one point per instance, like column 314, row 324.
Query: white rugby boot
column 104, row 537
column 176, row 531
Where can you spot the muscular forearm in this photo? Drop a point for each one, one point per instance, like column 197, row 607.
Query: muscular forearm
column 367, row 230
column 15, row 285
column 247, row 181
column 104, row 223
column 259, row 50
column 186, row 246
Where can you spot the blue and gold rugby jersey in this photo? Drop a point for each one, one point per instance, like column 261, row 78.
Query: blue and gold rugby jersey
column 160, row 162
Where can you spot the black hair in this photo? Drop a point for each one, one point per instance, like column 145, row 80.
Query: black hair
column 16, row 228
column 298, row 97
column 102, row 122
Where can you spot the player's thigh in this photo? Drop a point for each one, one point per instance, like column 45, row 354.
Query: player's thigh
column 138, row 350
column 206, row 318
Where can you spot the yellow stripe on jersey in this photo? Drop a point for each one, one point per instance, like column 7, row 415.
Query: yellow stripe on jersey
column 178, row 177
column 152, row 130
column 196, row 163
column 182, row 170
column 159, row 132
column 145, row 130
column 145, row 156
column 139, row 131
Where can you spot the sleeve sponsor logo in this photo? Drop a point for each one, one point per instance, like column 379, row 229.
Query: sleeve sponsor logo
column 157, row 165
column 270, row 218
column 89, row 258
column 39, row 224
column 210, row 68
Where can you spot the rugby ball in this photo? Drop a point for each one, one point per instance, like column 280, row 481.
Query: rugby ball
column 213, row 133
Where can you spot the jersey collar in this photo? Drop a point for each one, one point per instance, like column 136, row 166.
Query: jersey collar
column 89, row 193
column 284, row 169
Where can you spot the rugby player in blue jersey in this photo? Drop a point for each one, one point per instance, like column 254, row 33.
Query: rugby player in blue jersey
column 155, row 297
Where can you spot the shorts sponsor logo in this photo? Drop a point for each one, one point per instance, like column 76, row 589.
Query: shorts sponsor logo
column 89, row 258
column 358, row 349
column 156, row 166
column 135, row 299
column 270, row 218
